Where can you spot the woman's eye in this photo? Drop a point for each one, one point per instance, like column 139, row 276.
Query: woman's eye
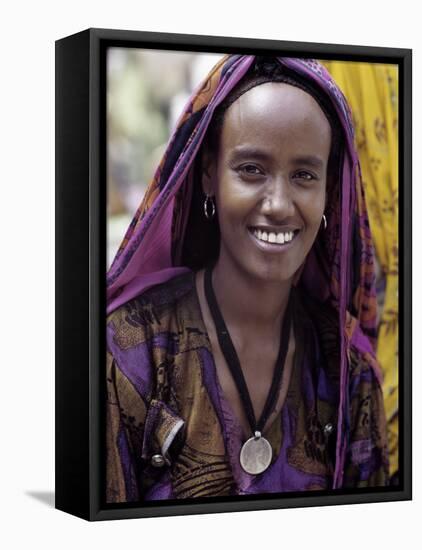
column 251, row 170
column 303, row 175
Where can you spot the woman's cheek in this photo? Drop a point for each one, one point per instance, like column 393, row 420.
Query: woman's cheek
column 234, row 199
column 313, row 205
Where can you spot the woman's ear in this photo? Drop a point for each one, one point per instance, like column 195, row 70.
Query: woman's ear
column 208, row 172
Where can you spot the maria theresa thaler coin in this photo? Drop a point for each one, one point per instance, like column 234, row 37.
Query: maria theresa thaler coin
column 256, row 454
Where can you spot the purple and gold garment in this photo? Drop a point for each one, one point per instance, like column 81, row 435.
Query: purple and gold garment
column 339, row 269
column 172, row 434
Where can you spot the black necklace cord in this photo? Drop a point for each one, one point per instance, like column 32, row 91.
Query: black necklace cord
column 232, row 359
column 279, row 366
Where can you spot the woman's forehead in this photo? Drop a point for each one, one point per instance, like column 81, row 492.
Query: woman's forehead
column 276, row 112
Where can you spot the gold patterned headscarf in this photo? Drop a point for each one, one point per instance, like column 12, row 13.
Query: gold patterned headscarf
column 372, row 93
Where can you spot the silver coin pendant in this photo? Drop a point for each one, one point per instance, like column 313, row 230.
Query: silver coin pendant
column 256, row 454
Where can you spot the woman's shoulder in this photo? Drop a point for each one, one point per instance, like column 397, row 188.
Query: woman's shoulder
column 152, row 307
column 322, row 314
column 320, row 319
column 143, row 330
column 324, row 318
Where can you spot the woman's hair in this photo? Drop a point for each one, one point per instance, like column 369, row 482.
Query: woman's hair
column 202, row 237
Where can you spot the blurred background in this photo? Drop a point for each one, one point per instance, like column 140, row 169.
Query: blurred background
column 146, row 92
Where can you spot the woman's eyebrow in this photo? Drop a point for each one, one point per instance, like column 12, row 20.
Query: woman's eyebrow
column 240, row 153
column 247, row 152
column 310, row 160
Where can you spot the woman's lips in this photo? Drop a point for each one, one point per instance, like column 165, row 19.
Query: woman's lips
column 260, row 234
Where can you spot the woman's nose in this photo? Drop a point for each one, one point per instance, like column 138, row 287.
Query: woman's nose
column 278, row 200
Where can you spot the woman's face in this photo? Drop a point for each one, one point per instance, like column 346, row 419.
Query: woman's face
column 269, row 180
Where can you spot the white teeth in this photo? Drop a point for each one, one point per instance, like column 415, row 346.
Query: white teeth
column 279, row 238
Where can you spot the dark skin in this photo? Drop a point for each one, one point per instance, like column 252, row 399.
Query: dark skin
column 269, row 176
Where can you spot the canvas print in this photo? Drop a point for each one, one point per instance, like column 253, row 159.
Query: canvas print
column 252, row 276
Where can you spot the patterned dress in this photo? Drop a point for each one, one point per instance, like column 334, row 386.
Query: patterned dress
column 172, row 434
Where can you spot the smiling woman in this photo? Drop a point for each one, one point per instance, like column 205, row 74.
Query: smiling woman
column 241, row 302
column 261, row 183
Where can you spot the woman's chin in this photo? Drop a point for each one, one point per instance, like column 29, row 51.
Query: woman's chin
column 260, row 266
column 270, row 274
column 277, row 278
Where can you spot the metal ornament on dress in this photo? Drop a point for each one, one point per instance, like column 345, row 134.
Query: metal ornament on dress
column 256, row 454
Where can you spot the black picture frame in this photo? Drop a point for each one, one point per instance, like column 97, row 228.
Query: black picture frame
column 80, row 270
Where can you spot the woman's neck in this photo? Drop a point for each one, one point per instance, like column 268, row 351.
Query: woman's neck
column 254, row 306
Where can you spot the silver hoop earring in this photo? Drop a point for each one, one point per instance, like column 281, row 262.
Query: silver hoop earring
column 324, row 219
column 209, row 199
